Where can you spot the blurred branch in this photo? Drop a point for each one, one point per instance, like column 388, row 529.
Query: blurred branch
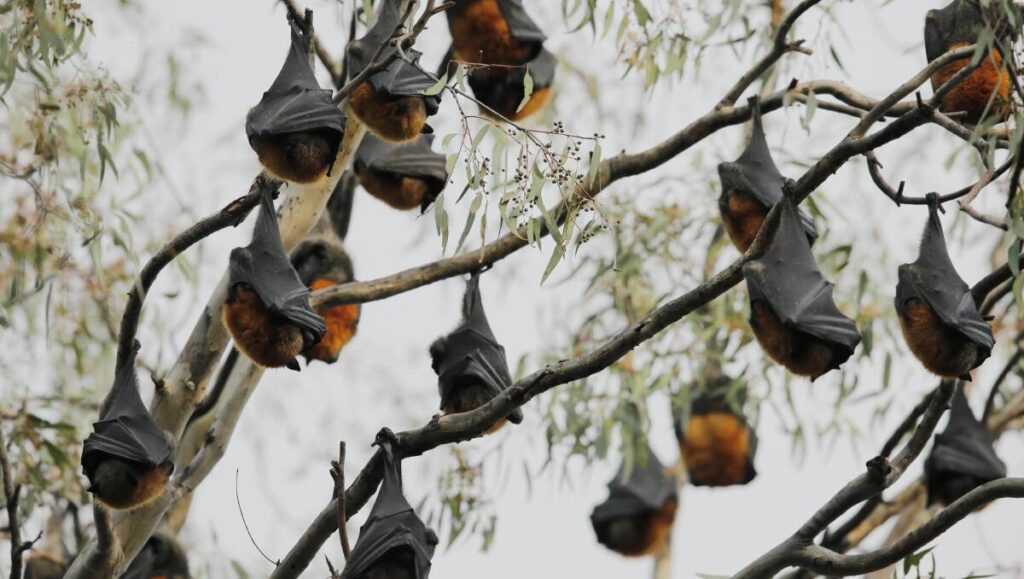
column 12, row 494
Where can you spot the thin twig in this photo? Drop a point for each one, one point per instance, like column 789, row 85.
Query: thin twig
column 241, row 513
column 12, row 493
column 338, row 470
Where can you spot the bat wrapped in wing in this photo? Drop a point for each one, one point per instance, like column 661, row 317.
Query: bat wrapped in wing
column 717, row 443
column 127, row 458
column 963, row 457
column 393, row 543
column 391, row 103
column 637, row 517
column 295, row 129
column 940, row 321
column 500, row 33
column 404, row 176
column 751, row 185
column 792, row 312
column 267, row 308
column 986, row 91
column 160, row 558
column 469, row 362
column 322, row 262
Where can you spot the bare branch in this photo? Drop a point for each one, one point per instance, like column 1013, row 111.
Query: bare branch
column 12, row 493
column 332, row 65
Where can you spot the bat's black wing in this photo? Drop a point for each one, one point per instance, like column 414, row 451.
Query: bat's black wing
column 473, row 351
column 401, row 77
column 263, row 265
column 505, row 91
column 964, row 448
column 520, row 25
column 788, row 279
column 295, row 102
column 392, row 524
column 412, row 159
column 933, row 280
column 644, row 489
column 126, row 430
column 755, row 174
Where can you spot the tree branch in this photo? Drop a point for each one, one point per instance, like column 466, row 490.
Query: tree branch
column 12, row 494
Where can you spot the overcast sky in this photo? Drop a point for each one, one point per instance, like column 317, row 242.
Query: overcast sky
column 284, row 442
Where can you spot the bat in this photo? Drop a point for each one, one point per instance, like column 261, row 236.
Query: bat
column 404, row 176
column 40, row 566
column 470, row 363
column 391, row 103
column 322, row 262
column 393, row 543
column 751, row 186
column 962, row 458
column 717, row 444
column 160, row 558
column 637, row 517
column 267, row 309
column 940, row 321
column 295, row 129
column 792, row 312
column 986, row 91
column 501, row 33
column 339, row 205
column 127, row 458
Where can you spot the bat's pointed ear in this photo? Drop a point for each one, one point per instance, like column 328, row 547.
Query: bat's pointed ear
column 293, row 364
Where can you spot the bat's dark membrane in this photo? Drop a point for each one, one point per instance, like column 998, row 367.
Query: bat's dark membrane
column 160, row 558
column 391, row 103
column 267, row 309
column 751, row 185
column 296, row 129
column 406, row 176
column 127, row 458
column 986, row 91
column 40, row 566
column 393, row 543
column 322, row 262
column 470, row 363
column 717, row 444
column 792, row 313
column 637, row 517
column 962, row 458
column 940, row 321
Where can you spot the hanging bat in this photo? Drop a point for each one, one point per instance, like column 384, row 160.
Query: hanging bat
column 295, row 129
column 322, row 262
column 717, row 444
column 962, row 458
column 940, row 321
column 160, row 558
column 41, row 566
column 391, row 103
column 500, row 32
column 751, row 185
column 267, row 309
column 404, row 176
column 792, row 312
column 393, row 543
column 339, row 205
column 986, row 91
column 127, row 458
column 637, row 517
column 470, row 363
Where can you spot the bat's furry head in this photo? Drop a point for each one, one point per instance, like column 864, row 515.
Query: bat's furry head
column 437, row 352
column 322, row 257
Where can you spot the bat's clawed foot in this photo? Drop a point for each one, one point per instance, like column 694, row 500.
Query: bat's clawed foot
column 879, row 468
column 386, row 438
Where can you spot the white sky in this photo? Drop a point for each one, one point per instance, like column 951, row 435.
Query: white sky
column 384, row 377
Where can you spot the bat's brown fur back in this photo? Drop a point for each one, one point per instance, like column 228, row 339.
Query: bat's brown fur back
column 267, row 339
column 403, row 193
column 801, row 353
column 481, row 34
column 641, row 535
column 396, row 119
column 470, row 395
column 742, row 216
column 122, row 485
column 341, row 324
column 299, row 157
column 940, row 349
column 990, row 82
column 716, row 449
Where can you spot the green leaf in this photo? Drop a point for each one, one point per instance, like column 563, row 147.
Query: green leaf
column 441, row 221
column 595, row 164
column 239, row 570
column 527, row 90
column 437, row 86
column 470, row 218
